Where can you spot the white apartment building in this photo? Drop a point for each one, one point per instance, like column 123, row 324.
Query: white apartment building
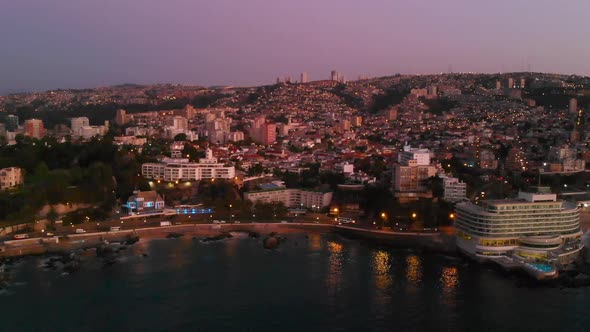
column 76, row 125
column 10, row 177
column 454, row 190
column 173, row 169
column 292, row 198
column 421, row 156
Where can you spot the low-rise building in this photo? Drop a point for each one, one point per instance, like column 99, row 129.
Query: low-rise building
column 10, row 177
column 144, row 202
column 454, row 190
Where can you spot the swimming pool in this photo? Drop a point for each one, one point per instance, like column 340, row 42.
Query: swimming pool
column 542, row 267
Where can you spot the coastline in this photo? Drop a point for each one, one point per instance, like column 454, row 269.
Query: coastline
column 38, row 246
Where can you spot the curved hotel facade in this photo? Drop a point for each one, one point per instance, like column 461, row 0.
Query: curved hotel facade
column 532, row 227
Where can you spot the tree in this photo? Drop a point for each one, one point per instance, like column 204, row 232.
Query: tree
column 180, row 137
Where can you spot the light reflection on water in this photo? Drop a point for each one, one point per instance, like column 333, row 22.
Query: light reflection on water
column 381, row 268
column 315, row 241
column 414, row 269
column 449, row 280
column 334, row 265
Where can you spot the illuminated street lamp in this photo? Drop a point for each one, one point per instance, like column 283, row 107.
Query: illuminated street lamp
column 413, row 215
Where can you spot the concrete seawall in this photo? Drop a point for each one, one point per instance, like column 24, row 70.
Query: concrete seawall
column 427, row 241
column 438, row 242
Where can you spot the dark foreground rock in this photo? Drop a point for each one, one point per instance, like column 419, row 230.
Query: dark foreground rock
column 72, row 266
column 131, row 240
column 174, row 235
column 104, row 250
column 575, row 279
column 271, row 242
column 219, row 237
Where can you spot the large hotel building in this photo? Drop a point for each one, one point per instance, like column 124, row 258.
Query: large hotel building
column 173, row 169
column 534, row 227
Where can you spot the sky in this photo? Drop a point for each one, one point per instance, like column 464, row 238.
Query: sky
column 49, row 44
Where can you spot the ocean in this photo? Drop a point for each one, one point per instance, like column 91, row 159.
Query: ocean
column 313, row 282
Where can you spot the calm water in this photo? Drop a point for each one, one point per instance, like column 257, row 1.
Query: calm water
column 323, row 283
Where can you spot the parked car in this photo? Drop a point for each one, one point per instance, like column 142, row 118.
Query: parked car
column 115, row 228
column 20, row 236
column 80, row 231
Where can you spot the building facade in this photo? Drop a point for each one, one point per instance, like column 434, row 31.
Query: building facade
column 76, row 125
column 534, row 226
column 34, row 128
column 176, row 169
column 454, row 190
column 144, row 202
column 292, row 198
column 10, row 177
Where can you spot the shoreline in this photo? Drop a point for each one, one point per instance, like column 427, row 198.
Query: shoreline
column 38, row 246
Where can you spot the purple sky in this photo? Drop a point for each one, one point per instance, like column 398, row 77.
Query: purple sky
column 49, row 44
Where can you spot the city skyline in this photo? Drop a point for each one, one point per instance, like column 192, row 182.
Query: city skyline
column 67, row 44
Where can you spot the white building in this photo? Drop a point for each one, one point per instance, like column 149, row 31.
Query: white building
column 10, row 177
column 534, row 226
column 235, row 136
column 88, row 132
column 173, row 169
column 344, row 167
column 421, row 156
column 454, row 190
column 291, row 198
column 76, row 125
column 130, row 140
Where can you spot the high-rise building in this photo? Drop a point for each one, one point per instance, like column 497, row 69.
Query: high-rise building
column 516, row 160
column 263, row 132
column 356, row 121
column 218, row 126
column 573, row 106
column 11, row 122
column 121, row 117
column 178, row 122
column 34, row 128
column 498, row 85
column 432, row 90
column 334, row 75
column 510, row 83
column 411, row 173
column 76, row 125
column 304, row 77
column 522, row 83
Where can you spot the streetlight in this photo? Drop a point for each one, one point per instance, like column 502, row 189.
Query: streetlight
column 413, row 215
